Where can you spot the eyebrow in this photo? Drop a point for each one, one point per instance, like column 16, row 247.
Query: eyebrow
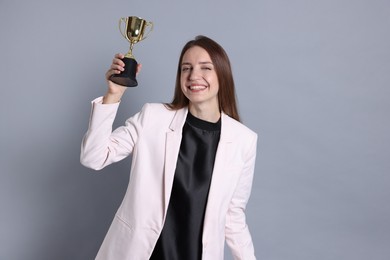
column 201, row 63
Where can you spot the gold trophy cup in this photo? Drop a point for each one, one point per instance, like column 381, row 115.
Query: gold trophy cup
column 133, row 32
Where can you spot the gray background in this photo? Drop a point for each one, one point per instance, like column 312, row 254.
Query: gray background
column 312, row 79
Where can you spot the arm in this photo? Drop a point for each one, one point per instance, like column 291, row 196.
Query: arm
column 101, row 146
column 238, row 237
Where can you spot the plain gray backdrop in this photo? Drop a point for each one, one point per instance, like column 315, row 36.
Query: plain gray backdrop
column 312, row 79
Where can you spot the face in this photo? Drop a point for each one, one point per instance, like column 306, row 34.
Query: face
column 199, row 81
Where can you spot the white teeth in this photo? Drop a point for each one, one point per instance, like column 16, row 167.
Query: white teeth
column 197, row 87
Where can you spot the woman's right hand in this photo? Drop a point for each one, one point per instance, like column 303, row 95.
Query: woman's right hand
column 116, row 91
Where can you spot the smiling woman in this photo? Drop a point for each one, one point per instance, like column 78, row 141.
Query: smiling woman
column 192, row 174
column 215, row 56
column 199, row 83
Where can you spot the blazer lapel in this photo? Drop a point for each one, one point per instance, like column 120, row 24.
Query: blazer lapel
column 219, row 177
column 172, row 147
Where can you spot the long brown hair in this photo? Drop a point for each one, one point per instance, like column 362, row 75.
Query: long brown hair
column 226, row 93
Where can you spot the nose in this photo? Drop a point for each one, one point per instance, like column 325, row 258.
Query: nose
column 194, row 74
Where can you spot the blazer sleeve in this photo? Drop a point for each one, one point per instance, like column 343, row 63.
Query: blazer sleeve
column 100, row 145
column 238, row 237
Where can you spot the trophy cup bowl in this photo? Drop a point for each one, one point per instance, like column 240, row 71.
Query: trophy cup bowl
column 133, row 32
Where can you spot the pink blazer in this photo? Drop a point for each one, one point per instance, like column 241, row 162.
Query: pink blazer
column 153, row 138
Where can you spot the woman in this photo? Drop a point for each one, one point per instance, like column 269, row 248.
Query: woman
column 192, row 164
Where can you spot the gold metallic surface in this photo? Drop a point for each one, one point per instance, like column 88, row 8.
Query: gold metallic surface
column 134, row 31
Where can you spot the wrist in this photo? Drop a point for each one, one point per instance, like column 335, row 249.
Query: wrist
column 110, row 98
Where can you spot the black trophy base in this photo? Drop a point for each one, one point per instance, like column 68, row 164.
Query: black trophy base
column 127, row 77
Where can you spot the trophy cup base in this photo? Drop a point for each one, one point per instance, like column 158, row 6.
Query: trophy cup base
column 127, row 77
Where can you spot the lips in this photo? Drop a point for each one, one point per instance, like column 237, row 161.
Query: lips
column 197, row 87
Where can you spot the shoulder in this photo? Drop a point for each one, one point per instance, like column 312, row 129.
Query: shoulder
column 154, row 106
column 156, row 110
column 243, row 138
column 156, row 114
column 236, row 128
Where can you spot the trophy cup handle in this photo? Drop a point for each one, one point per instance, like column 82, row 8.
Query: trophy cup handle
column 150, row 25
column 122, row 20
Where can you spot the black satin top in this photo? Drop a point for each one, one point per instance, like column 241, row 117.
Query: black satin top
column 181, row 237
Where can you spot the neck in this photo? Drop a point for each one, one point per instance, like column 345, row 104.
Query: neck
column 210, row 115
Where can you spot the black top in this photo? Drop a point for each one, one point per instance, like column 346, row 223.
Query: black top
column 181, row 237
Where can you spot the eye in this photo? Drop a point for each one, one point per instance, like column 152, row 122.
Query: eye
column 206, row 68
column 184, row 69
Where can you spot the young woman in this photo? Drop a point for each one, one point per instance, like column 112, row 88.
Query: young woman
column 192, row 164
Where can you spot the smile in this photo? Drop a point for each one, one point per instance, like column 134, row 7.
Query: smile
column 196, row 87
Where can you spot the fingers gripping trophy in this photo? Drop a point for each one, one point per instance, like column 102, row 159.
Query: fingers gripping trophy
column 133, row 31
